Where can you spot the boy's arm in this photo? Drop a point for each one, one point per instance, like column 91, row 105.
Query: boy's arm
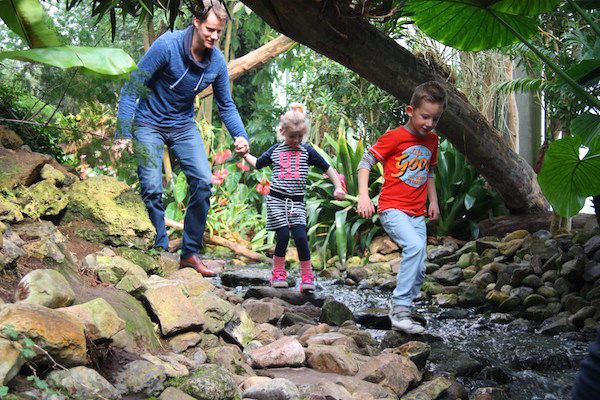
column 338, row 193
column 365, row 206
column 434, row 208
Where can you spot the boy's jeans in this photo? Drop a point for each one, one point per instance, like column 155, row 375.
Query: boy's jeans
column 190, row 152
column 410, row 233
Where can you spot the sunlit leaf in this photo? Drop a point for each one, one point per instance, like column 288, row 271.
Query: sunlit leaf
column 181, row 188
column 25, row 18
column 587, row 126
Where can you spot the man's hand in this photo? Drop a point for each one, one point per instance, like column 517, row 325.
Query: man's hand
column 365, row 207
column 241, row 146
column 434, row 211
column 339, row 194
column 119, row 145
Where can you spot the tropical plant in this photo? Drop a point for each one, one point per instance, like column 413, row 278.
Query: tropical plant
column 463, row 196
column 334, row 225
column 566, row 178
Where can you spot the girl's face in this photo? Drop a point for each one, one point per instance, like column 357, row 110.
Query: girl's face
column 293, row 138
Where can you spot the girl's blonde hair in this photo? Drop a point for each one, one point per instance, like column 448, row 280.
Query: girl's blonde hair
column 294, row 120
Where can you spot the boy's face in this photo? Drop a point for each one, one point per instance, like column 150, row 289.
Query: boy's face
column 424, row 118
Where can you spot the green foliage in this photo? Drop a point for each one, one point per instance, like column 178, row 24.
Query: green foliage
column 463, row 197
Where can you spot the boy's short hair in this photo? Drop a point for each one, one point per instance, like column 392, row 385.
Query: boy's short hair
column 431, row 92
column 203, row 7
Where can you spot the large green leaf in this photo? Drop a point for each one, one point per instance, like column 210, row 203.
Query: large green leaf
column 341, row 235
column 587, row 126
column 566, row 179
column 470, row 25
column 99, row 61
column 181, row 188
column 524, row 7
column 25, row 18
column 586, row 72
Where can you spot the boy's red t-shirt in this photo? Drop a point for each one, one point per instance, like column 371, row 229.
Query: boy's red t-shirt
column 407, row 160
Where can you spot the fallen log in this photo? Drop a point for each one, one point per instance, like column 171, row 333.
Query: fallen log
column 216, row 240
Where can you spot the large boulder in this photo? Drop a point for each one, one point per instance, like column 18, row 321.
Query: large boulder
column 100, row 319
column 11, row 360
column 334, row 312
column 392, row 371
column 9, row 211
column 174, row 311
column 194, row 282
column 448, row 276
column 209, row 382
column 82, row 383
column 41, row 199
column 279, row 388
column 43, row 240
column 141, row 376
column 45, row 287
column 59, row 334
column 262, row 311
column 116, row 209
column 20, row 167
column 9, row 139
column 429, row 390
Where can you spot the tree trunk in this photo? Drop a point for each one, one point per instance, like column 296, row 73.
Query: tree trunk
column 338, row 32
column 255, row 59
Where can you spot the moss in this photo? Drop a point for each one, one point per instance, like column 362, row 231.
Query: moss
column 147, row 262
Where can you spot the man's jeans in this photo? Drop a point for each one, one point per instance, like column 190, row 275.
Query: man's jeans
column 410, row 233
column 190, row 152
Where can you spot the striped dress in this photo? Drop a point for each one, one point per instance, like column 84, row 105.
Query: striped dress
column 290, row 170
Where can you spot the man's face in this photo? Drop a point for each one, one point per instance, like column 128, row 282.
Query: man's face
column 208, row 32
column 424, row 119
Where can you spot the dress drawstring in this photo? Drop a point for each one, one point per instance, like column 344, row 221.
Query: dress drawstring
column 287, row 217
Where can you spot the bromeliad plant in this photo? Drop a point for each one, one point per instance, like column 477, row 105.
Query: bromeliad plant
column 334, row 225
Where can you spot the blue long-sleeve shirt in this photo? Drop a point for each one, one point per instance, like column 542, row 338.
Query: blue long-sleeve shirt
column 167, row 81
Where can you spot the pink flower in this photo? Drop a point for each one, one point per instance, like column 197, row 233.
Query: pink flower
column 219, row 176
column 263, row 187
column 221, row 156
column 242, row 165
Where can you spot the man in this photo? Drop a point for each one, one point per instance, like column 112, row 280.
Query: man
column 178, row 66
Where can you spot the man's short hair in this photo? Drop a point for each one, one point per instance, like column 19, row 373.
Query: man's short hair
column 204, row 7
column 431, row 92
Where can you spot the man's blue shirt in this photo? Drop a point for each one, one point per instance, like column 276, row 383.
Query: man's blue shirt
column 166, row 83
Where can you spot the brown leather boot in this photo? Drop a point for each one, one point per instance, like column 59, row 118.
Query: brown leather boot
column 194, row 261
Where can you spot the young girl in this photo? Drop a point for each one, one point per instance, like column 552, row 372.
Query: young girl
column 285, row 201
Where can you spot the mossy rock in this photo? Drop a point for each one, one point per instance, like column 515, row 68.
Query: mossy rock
column 209, row 382
column 42, row 199
column 117, row 211
column 9, row 211
column 146, row 261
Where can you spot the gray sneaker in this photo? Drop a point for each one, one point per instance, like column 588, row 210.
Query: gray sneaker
column 401, row 321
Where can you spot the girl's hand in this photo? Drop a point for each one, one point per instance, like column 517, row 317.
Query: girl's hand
column 339, row 194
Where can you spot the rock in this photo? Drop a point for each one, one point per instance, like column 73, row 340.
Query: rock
column 448, row 277
column 128, row 283
column 591, row 246
column 61, row 335
column 520, row 325
column 173, row 393
column 313, row 331
column 542, row 312
column 174, row 311
column 336, row 359
column 501, row 318
column 171, row 365
column 489, row 393
column 509, row 248
column 573, row 270
column 437, row 252
column 513, row 274
column 117, row 210
column 521, row 292
column 286, row 351
column 383, row 245
column 563, row 286
column 532, row 281
column 417, row 352
column 470, row 295
column 333, row 339
column 289, row 319
column 45, row 287
column 249, row 277
column 454, row 313
column 510, row 304
column 357, row 274
column 9, row 211
column 483, row 278
column 581, row 315
column 429, row 390
column 41, row 199
column 99, row 317
column 466, row 260
column 573, row 303
column 274, row 389
column 392, row 371
column 518, row 234
column 534, row 300
column 229, row 357
column 140, row 376
column 446, row 300
column 539, row 356
column 82, row 384
column 495, row 297
column 591, row 271
column 146, row 262
column 194, row 282
column 9, row 139
column 554, row 325
column 267, row 333
column 11, row 360
column 179, row 343
column 335, row 313
column 209, row 382
column 50, row 173
column 43, row 240
column 547, row 291
column 263, row 311
column 214, row 311
column 20, row 167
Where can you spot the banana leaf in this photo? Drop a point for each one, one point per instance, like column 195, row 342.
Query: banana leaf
column 98, row 61
column 26, row 19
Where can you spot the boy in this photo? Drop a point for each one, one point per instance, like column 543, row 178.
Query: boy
column 408, row 154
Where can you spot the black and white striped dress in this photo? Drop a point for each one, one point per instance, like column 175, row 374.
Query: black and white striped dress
column 288, row 182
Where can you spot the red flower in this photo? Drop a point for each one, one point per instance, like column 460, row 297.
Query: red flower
column 263, row 187
column 221, row 156
column 219, row 176
column 223, row 202
column 242, row 165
